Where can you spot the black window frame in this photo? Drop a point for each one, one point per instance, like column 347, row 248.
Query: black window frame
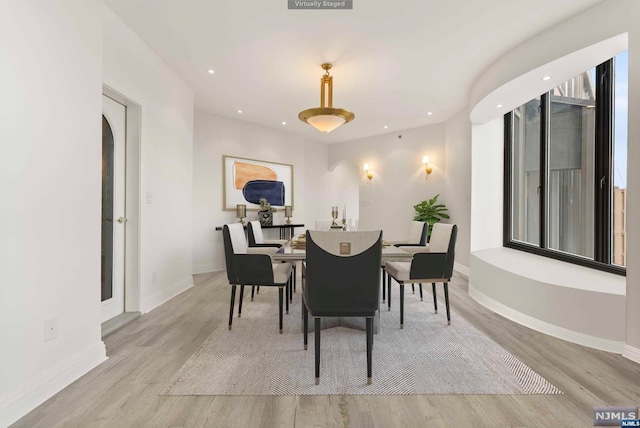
column 603, row 180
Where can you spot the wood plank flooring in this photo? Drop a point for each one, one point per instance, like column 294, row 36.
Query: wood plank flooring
column 143, row 356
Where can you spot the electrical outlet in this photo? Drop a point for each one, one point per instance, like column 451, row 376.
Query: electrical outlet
column 50, row 329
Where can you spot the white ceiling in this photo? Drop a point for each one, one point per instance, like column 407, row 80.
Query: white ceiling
column 394, row 61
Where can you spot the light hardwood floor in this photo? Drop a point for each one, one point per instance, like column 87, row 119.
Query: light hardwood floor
column 143, row 355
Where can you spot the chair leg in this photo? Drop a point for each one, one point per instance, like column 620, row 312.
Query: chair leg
column 389, row 292
column 291, row 280
column 446, row 301
column 280, row 307
column 287, row 296
column 240, row 302
column 258, row 289
column 401, row 304
column 317, row 328
column 413, row 288
column 253, row 289
column 305, row 315
column 435, row 299
column 295, row 274
column 369, row 348
column 384, row 285
column 233, row 301
column 420, row 286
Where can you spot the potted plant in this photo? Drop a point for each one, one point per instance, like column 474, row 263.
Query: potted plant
column 431, row 212
column 265, row 215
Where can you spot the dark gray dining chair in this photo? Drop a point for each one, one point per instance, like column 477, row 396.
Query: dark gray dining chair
column 418, row 231
column 429, row 264
column 341, row 279
column 248, row 266
column 256, row 237
column 256, row 240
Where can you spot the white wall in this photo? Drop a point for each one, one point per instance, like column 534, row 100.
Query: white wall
column 633, row 193
column 398, row 176
column 131, row 68
column 50, row 156
column 458, row 173
column 216, row 136
column 343, row 192
column 317, row 178
column 487, row 185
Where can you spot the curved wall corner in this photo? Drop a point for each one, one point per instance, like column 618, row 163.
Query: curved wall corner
column 605, row 24
column 570, row 302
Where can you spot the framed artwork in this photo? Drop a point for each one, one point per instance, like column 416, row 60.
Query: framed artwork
column 245, row 181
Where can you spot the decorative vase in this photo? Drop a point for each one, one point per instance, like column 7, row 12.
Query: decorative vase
column 265, row 218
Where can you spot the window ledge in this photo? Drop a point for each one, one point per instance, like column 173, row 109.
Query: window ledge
column 555, row 272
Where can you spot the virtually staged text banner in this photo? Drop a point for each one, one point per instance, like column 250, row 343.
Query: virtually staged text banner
column 320, row 4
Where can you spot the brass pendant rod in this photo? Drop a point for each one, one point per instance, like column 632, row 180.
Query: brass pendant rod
column 326, row 90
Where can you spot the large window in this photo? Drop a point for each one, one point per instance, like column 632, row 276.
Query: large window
column 565, row 170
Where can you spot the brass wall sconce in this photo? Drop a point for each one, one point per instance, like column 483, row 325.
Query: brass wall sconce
column 241, row 212
column 368, row 172
column 427, row 168
column 288, row 214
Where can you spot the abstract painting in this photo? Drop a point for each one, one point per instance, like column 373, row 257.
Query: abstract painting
column 246, row 181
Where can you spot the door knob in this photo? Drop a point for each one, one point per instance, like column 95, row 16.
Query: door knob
column 122, row 220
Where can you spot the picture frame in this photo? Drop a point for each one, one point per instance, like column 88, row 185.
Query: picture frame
column 245, row 180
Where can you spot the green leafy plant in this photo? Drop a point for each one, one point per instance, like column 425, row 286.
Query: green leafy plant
column 430, row 211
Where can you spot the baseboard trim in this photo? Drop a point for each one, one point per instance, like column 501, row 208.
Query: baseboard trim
column 207, row 269
column 17, row 403
column 151, row 302
column 631, row 353
column 461, row 269
column 545, row 327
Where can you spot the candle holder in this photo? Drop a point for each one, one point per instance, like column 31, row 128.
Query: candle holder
column 334, row 215
column 288, row 214
column 241, row 212
column 344, row 224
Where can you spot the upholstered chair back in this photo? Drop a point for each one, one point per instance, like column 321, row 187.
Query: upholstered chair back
column 438, row 262
column 416, row 232
column 234, row 243
column 343, row 273
column 440, row 237
column 254, row 230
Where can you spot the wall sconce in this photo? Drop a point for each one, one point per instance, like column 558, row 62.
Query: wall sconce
column 368, row 172
column 427, row 169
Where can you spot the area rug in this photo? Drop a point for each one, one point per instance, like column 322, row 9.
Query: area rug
column 426, row 357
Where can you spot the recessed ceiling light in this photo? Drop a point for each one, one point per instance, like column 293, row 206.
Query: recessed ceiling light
column 284, row 123
column 386, row 127
column 546, row 78
column 239, row 111
column 429, row 113
column 211, row 71
column 499, row 105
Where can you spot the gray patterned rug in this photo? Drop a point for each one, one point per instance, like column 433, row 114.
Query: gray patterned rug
column 426, row 357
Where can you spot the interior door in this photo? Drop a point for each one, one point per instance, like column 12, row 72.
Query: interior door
column 113, row 207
